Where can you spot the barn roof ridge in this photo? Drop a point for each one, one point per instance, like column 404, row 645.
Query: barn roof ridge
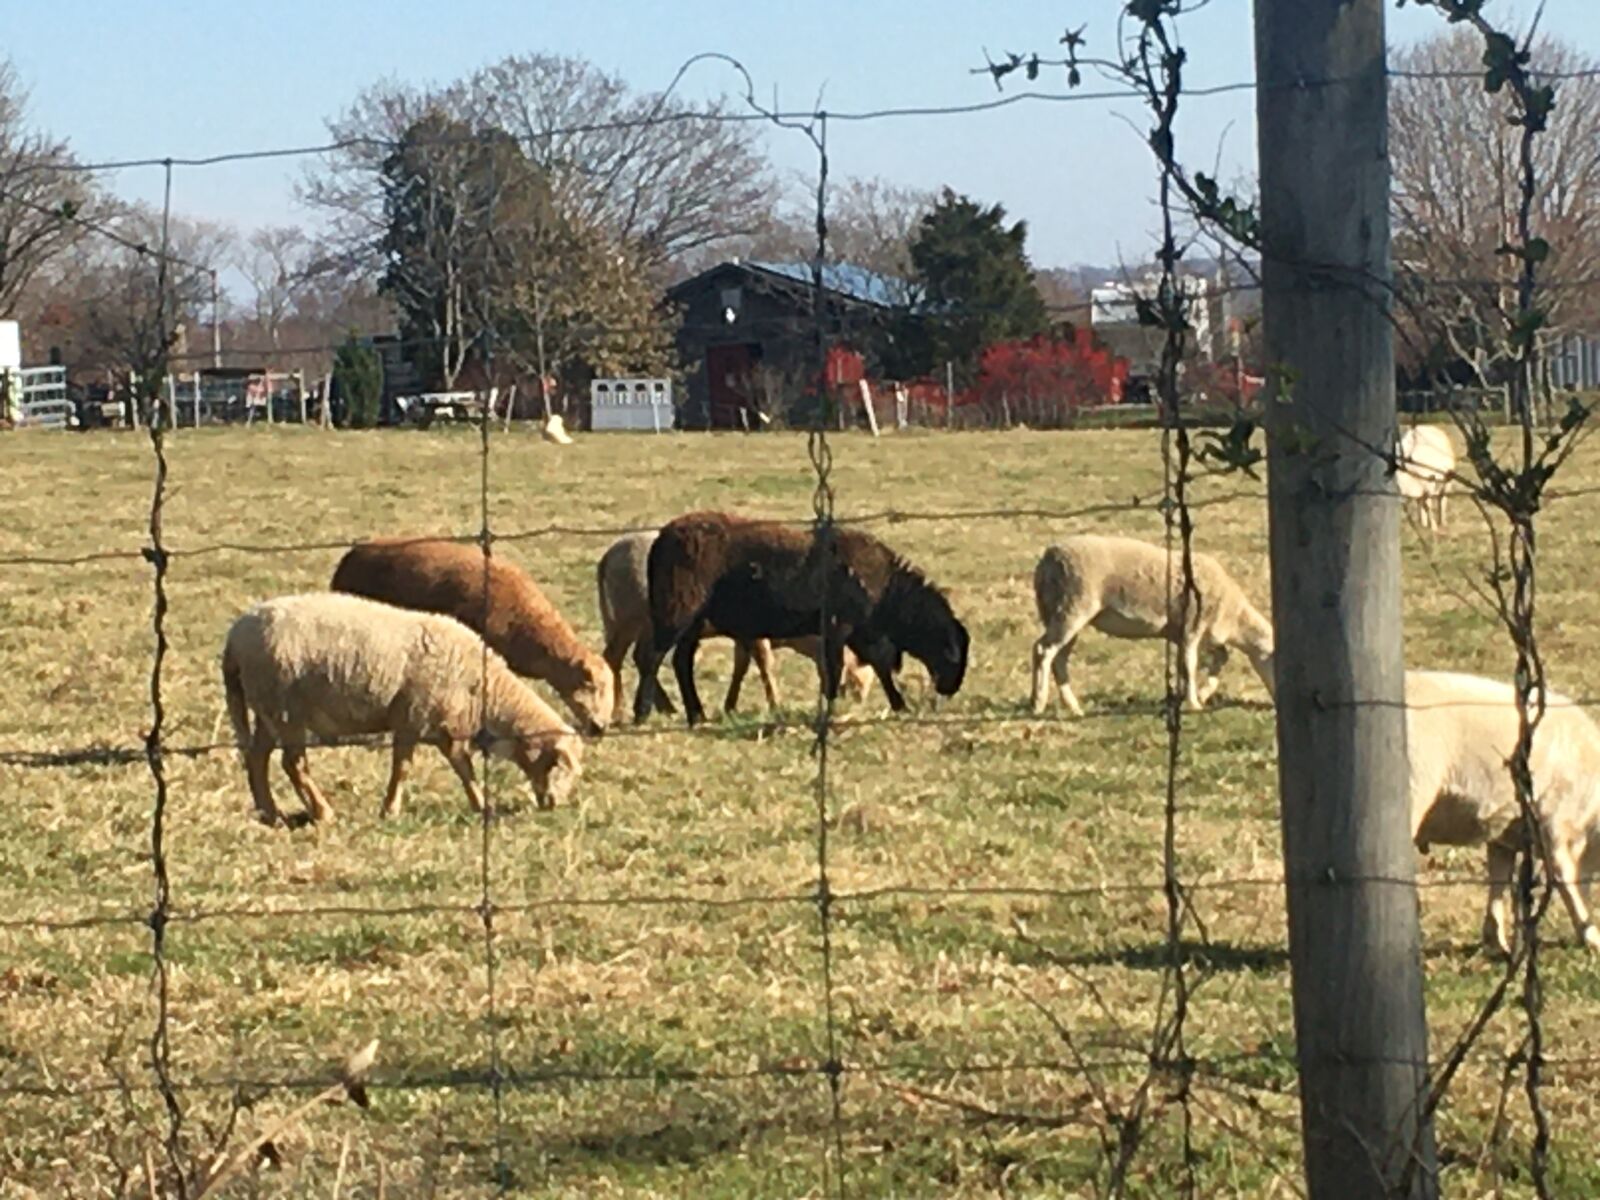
column 848, row 280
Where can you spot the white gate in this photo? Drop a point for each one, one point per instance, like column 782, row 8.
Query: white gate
column 630, row 404
column 36, row 398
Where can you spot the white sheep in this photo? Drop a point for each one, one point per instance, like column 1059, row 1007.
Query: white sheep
column 1426, row 460
column 1120, row 586
column 330, row 665
column 1460, row 733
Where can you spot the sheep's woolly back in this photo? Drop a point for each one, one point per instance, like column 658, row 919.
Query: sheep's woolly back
column 1460, row 733
column 623, row 577
column 1131, row 579
column 522, row 624
column 694, row 551
column 1426, row 457
column 338, row 665
column 760, row 579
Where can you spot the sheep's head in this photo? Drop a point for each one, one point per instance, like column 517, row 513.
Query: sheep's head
column 942, row 647
column 593, row 702
column 949, row 664
column 553, row 766
column 929, row 631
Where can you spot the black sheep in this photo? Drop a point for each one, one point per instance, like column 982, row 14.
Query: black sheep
column 753, row 579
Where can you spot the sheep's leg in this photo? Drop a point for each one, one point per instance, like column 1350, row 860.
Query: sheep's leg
column 1588, row 869
column 830, row 662
column 256, row 759
column 401, row 760
column 1045, row 651
column 761, row 650
column 616, row 652
column 1564, row 869
column 741, row 667
column 861, row 681
column 1191, row 670
column 880, row 656
column 459, row 752
column 683, row 666
column 650, row 694
column 294, row 766
column 1052, row 654
column 1216, row 659
column 1497, row 930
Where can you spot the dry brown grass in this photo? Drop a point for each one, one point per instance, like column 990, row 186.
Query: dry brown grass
column 602, row 1004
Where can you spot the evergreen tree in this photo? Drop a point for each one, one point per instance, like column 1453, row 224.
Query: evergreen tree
column 975, row 286
column 358, row 380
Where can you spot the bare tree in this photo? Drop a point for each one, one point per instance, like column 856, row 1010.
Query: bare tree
column 347, row 186
column 104, row 301
column 1064, row 294
column 629, row 163
column 276, row 262
column 871, row 222
column 1454, row 159
column 39, row 199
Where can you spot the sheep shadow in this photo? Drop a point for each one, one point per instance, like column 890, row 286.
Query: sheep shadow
column 1217, row 957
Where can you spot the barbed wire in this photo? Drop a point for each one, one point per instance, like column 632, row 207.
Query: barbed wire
column 734, row 116
column 1167, row 1062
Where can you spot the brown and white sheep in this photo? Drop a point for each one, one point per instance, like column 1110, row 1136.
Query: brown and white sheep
column 521, row 623
column 335, row 666
column 624, row 587
column 1120, row 586
column 752, row 579
column 1460, row 733
column 1426, row 460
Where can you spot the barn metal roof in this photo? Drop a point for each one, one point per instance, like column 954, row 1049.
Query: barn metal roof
column 842, row 279
column 845, row 278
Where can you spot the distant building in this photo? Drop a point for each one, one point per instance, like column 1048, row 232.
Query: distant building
column 748, row 337
column 1573, row 360
column 1220, row 313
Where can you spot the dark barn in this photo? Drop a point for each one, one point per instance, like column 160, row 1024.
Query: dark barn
column 748, row 338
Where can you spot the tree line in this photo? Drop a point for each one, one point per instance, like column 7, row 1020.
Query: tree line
column 527, row 217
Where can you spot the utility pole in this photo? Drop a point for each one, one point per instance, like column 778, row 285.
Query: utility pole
column 1354, row 942
column 216, row 326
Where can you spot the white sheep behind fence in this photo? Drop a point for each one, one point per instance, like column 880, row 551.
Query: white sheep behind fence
column 1460, row 733
column 1120, row 586
column 1426, row 462
column 333, row 666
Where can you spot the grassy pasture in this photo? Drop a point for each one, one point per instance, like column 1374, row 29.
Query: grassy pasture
column 950, row 978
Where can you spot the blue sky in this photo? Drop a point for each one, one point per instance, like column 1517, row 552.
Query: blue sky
column 138, row 78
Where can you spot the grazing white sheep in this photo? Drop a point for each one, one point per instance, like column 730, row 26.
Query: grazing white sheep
column 1120, row 586
column 624, row 586
column 1427, row 458
column 332, row 665
column 1460, row 732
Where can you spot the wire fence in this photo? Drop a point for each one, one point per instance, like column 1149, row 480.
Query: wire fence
column 1154, row 1091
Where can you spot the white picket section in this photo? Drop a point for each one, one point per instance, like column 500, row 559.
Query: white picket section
column 37, row 398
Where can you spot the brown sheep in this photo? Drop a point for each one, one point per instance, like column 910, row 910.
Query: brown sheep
column 624, row 592
column 523, row 626
column 753, row 579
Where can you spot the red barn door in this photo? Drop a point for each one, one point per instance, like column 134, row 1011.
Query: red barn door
column 728, row 375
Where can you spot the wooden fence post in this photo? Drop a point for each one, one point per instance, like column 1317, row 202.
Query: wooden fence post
column 1350, row 869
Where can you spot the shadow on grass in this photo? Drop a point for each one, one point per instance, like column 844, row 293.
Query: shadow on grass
column 649, row 1140
column 1157, row 956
